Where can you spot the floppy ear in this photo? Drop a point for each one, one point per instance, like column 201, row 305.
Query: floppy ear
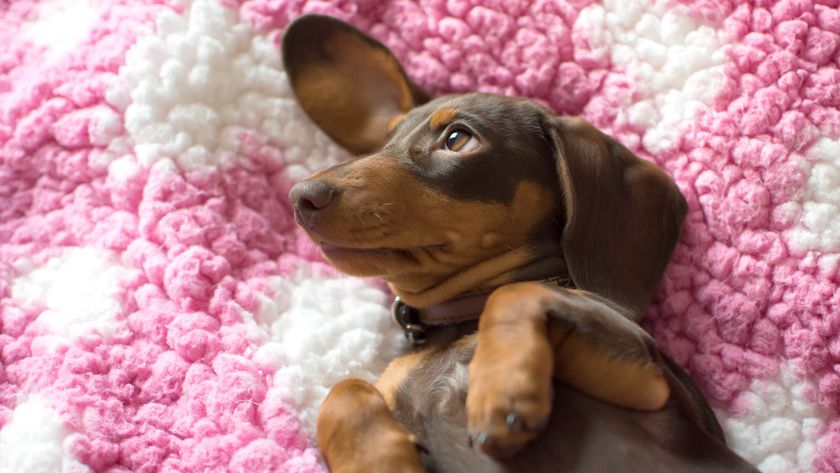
column 623, row 214
column 351, row 85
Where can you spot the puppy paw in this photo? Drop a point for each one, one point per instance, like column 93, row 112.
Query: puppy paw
column 358, row 434
column 508, row 401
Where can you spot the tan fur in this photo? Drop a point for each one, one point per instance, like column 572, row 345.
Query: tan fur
column 591, row 368
column 357, row 433
column 395, row 122
column 514, row 361
column 442, row 117
column 326, row 90
column 501, row 376
column 397, row 371
column 608, row 227
column 383, row 206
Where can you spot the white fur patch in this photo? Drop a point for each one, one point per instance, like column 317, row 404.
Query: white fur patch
column 675, row 61
column 77, row 289
column 34, row 441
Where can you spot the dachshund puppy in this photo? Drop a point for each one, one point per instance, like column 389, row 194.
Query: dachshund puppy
column 523, row 248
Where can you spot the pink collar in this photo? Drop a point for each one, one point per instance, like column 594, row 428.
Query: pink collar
column 464, row 307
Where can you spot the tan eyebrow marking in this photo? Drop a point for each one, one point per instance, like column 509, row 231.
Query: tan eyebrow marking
column 395, row 122
column 442, row 117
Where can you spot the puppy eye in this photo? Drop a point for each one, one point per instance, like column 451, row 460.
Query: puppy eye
column 460, row 141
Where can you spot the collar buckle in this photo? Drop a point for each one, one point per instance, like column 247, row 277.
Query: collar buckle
column 408, row 318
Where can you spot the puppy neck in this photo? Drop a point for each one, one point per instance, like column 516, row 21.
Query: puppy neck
column 521, row 264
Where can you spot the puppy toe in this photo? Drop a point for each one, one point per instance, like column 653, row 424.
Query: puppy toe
column 500, row 423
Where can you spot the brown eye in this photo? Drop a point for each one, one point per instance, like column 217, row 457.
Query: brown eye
column 460, row 140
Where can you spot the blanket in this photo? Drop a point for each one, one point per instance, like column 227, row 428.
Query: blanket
column 160, row 311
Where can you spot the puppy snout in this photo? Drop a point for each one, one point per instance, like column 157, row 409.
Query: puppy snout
column 308, row 198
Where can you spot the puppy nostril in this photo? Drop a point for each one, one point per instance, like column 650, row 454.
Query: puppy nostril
column 306, row 204
column 311, row 196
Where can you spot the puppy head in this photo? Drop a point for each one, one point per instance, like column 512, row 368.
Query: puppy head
column 461, row 181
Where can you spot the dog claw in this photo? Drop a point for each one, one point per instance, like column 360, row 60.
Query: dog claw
column 421, row 448
column 514, row 421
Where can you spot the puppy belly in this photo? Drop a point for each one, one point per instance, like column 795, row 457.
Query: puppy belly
column 431, row 405
column 582, row 435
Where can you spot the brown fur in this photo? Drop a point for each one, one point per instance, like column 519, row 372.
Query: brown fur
column 557, row 378
column 346, row 445
column 442, row 117
column 324, row 78
column 436, row 234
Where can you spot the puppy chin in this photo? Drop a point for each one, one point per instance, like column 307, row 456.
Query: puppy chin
column 352, row 263
column 358, row 270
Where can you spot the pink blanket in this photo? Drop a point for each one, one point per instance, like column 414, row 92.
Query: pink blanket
column 160, row 312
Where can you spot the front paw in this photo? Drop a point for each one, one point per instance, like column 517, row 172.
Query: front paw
column 508, row 398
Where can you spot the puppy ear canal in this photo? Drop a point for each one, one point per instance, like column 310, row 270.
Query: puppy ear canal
column 349, row 84
column 623, row 214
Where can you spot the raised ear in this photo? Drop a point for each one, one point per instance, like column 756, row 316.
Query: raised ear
column 623, row 214
column 351, row 85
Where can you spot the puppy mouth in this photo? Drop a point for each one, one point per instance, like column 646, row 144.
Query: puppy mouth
column 332, row 251
column 360, row 249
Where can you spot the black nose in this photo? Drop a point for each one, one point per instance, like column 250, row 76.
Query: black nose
column 309, row 197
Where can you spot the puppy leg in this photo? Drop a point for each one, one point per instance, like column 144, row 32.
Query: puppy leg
column 530, row 335
column 357, row 433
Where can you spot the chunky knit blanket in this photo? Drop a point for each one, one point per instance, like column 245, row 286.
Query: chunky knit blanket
column 159, row 310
